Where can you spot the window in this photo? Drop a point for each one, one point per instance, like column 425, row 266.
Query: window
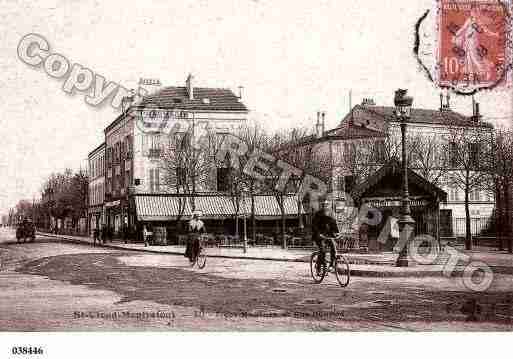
column 181, row 176
column 340, row 184
column 122, row 179
column 223, row 179
column 128, row 179
column 453, row 154
column 118, row 151
column 154, row 150
column 295, row 182
column 379, row 151
column 454, row 194
column 154, row 180
column 348, row 184
column 474, row 151
column 475, row 196
column 129, row 146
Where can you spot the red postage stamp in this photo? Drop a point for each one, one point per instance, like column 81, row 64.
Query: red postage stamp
column 474, row 43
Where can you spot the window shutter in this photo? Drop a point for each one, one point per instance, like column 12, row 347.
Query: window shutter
column 157, row 180
column 151, row 181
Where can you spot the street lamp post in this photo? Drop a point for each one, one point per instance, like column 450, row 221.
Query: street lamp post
column 403, row 105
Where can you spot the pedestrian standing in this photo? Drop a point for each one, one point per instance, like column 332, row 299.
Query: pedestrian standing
column 96, row 235
column 104, row 234
column 196, row 228
column 146, row 236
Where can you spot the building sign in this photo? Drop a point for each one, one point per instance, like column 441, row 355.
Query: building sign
column 113, row 203
column 395, row 203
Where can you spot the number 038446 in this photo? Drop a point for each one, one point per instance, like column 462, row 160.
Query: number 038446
column 27, row 350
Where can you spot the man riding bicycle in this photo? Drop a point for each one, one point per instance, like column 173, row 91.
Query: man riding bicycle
column 324, row 228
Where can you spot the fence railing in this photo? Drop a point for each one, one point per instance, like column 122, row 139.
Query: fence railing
column 477, row 226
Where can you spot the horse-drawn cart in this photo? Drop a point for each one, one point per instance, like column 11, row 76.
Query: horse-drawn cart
column 26, row 232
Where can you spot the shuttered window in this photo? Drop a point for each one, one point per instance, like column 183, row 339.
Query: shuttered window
column 154, row 180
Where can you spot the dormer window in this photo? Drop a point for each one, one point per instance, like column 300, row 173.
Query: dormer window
column 177, row 100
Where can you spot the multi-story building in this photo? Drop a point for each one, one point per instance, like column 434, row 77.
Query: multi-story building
column 133, row 155
column 375, row 129
column 96, row 193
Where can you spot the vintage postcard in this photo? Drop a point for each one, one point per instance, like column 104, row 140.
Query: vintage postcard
column 254, row 166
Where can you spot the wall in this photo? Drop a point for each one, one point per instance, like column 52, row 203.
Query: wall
column 221, row 122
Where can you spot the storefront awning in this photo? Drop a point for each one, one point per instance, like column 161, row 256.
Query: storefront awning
column 267, row 207
column 161, row 208
column 166, row 208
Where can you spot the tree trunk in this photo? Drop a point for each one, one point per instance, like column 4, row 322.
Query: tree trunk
column 468, row 233
column 281, row 202
column 498, row 215
column 253, row 219
column 237, row 209
column 283, row 230
column 300, row 215
column 507, row 216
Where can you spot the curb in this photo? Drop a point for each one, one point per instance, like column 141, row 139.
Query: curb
column 354, row 271
column 149, row 250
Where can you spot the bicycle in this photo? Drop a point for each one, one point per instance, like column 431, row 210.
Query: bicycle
column 319, row 270
column 201, row 259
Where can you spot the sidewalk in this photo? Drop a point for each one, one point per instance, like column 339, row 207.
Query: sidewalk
column 254, row 253
column 365, row 265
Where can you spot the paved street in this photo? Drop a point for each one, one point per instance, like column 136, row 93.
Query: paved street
column 54, row 285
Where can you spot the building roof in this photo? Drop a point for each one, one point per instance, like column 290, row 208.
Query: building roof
column 394, row 168
column 352, row 132
column 367, row 114
column 100, row 147
column 176, row 97
column 205, row 99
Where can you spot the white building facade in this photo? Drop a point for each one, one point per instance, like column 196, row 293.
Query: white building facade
column 367, row 125
column 133, row 150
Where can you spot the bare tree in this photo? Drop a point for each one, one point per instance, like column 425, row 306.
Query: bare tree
column 469, row 151
column 429, row 158
column 297, row 148
column 187, row 165
column 501, row 170
column 255, row 138
column 64, row 196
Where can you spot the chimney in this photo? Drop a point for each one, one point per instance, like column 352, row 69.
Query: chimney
column 240, row 92
column 441, row 101
column 190, row 86
column 448, row 99
column 477, row 115
column 323, row 128
column 148, row 86
column 368, row 102
column 127, row 101
column 318, row 125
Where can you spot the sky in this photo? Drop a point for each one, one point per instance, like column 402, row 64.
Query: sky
column 293, row 58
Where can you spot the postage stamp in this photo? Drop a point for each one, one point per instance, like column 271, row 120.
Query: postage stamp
column 474, row 44
column 255, row 166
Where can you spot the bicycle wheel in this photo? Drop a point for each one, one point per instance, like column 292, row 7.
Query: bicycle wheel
column 201, row 260
column 342, row 271
column 317, row 269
